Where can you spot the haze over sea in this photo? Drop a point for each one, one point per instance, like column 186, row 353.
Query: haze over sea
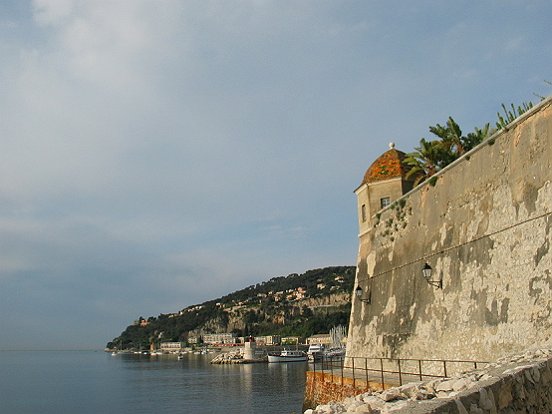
column 94, row 382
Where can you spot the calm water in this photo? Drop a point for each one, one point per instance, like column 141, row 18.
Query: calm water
column 48, row 382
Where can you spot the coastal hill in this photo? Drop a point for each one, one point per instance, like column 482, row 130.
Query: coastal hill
column 294, row 305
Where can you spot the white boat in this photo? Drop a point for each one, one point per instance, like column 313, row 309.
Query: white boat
column 315, row 352
column 287, row 356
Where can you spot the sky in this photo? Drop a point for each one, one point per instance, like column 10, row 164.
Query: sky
column 157, row 154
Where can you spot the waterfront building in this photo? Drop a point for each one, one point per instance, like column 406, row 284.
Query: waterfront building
column 219, row 338
column 269, row 340
column 319, row 339
column 172, row 346
column 290, row 340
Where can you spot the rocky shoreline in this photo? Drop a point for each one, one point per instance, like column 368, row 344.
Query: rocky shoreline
column 235, row 357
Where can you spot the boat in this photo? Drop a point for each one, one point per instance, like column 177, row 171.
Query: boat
column 334, row 353
column 287, row 356
column 315, row 352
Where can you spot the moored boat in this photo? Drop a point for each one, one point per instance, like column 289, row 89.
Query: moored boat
column 315, row 352
column 334, row 353
column 287, row 356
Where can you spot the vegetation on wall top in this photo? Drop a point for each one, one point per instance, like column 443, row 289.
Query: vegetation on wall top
column 450, row 144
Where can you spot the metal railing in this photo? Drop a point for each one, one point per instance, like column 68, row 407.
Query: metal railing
column 388, row 372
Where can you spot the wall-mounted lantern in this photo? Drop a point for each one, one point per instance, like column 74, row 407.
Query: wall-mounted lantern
column 427, row 272
column 358, row 293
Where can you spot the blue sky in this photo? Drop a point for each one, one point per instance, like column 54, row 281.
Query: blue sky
column 156, row 154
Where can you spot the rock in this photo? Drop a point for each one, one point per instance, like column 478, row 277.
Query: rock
column 324, row 409
column 505, row 396
column 546, row 375
column 462, row 384
column 393, row 407
column 390, row 394
column 410, row 390
column 529, row 376
column 351, row 405
column 536, row 374
column 474, row 409
column 460, row 407
column 485, row 377
column 309, row 411
column 337, row 408
column 486, row 400
column 430, row 386
column 364, row 408
column 445, row 386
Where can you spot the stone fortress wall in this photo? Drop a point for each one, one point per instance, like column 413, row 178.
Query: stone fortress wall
column 483, row 224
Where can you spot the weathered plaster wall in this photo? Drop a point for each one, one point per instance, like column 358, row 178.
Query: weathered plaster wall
column 484, row 227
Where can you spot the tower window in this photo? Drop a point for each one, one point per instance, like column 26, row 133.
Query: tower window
column 384, row 202
column 363, row 212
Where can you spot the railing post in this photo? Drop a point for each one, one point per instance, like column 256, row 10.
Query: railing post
column 445, row 367
column 400, row 373
column 342, row 364
column 420, row 369
column 381, row 371
column 354, row 379
column 366, row 370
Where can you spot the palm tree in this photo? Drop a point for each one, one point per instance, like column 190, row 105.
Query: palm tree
column 451, row 136
column 425, row 161
column 432, row 156
column 477, row 136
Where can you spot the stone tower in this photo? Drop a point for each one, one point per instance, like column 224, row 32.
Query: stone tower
column 383, row 182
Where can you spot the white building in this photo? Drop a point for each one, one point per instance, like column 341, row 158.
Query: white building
column 172, row 346
column 219, row 338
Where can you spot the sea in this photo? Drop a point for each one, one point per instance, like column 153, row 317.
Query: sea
column 96, row 382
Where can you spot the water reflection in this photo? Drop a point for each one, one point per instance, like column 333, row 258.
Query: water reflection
column 193, row 385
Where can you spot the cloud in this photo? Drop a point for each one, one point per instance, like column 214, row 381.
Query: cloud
column 48, row 12
column 157, row 154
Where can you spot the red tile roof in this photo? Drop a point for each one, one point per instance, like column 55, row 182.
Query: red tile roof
column 389, row 165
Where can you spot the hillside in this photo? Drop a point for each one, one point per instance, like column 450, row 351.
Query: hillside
column 293, row 305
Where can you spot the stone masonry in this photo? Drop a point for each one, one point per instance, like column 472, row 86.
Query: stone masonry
column 483, row 224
